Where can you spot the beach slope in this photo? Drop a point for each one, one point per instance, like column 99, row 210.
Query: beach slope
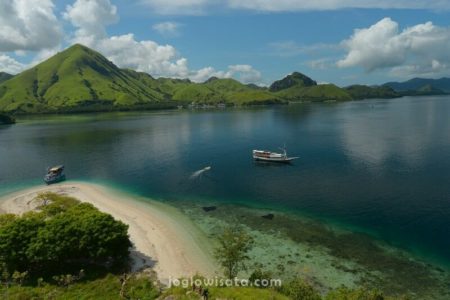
column 163, row 237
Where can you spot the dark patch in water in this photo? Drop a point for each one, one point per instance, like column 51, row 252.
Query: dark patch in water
column 268, row 216
column 209, row 208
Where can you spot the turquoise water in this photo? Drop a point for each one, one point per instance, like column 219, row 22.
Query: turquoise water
column 382, row 166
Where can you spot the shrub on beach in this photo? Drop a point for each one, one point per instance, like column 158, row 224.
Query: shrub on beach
column 64, row 231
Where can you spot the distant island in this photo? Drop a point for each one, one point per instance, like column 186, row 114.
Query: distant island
column 80, row 79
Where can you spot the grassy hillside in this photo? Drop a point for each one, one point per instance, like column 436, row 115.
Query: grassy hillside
column 143, row 286
column 295, row 79
column 299, row 87
column 79, row 79
column 366, row 92
column 76, row 77
column 315, row 93
column 227, row 91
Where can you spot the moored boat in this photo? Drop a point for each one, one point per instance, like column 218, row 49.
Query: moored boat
column 55, row 174
column 264, row 155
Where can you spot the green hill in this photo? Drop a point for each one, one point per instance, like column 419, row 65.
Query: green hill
column 293, row 80
column 74, row 80
column 227, row 91
column 5, row 76
column 416, row 84
column 299, row 87
column 79, row 79
column 366, row 92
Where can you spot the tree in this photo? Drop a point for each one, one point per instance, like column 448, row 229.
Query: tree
column 81, row 232
column 298, row 289
column 52, row 204
column 65, row 231
column 232, row 252
column 258, row 275
column 19, row 277
column 15, row 237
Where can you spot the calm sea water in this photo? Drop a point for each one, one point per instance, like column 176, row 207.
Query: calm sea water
column 382, row 166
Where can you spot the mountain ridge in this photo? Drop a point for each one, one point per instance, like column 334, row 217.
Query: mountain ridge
column 5, row 76
column 416, row 84
column 79, row 79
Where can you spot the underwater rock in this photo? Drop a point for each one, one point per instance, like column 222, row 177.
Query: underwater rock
column 268, row 216
column 209, row 208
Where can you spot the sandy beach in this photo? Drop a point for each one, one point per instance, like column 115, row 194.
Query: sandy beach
column 163, row 237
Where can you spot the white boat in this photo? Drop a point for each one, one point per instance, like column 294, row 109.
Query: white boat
column 55, row 174
column 264, row 155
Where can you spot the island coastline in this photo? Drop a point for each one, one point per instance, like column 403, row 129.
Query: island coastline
column 163, row 238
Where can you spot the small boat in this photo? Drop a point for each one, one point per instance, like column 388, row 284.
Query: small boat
column 55, row 174
column 264, row 155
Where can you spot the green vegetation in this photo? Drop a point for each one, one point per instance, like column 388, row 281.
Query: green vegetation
column 293, row 80
column 109, row 287
column 79, row 79
column 145, row 286
column 65, row 251
column 5, row 119
column 316, row 93
column 76, row 78
column 366, row 92
column 232, row 252
column 299, row 87
column 64, row 235
column 298, row 289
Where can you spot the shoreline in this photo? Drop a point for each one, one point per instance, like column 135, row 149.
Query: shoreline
column 163, row 238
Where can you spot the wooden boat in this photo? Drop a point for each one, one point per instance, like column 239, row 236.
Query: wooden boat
column 55, row 174
column 264, row 155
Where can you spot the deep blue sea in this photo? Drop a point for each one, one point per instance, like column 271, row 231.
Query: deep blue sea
column 380, row 166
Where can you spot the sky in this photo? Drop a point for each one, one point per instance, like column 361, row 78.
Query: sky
column 255, row 41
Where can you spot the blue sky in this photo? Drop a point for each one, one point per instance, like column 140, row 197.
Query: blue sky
column 251, row 40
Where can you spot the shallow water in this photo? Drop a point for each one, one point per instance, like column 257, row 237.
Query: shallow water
column 380, row 166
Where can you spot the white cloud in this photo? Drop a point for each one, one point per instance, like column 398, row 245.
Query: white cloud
column 416, row 50
column 28, row 25
column 10, row 65
column 90, row 18
column 301, row 5
column 243, row 73
column 167, row 29
column 147, row 56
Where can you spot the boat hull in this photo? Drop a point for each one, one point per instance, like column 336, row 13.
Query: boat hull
column 277, row 160
column 55, row 179
column 267, row 156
